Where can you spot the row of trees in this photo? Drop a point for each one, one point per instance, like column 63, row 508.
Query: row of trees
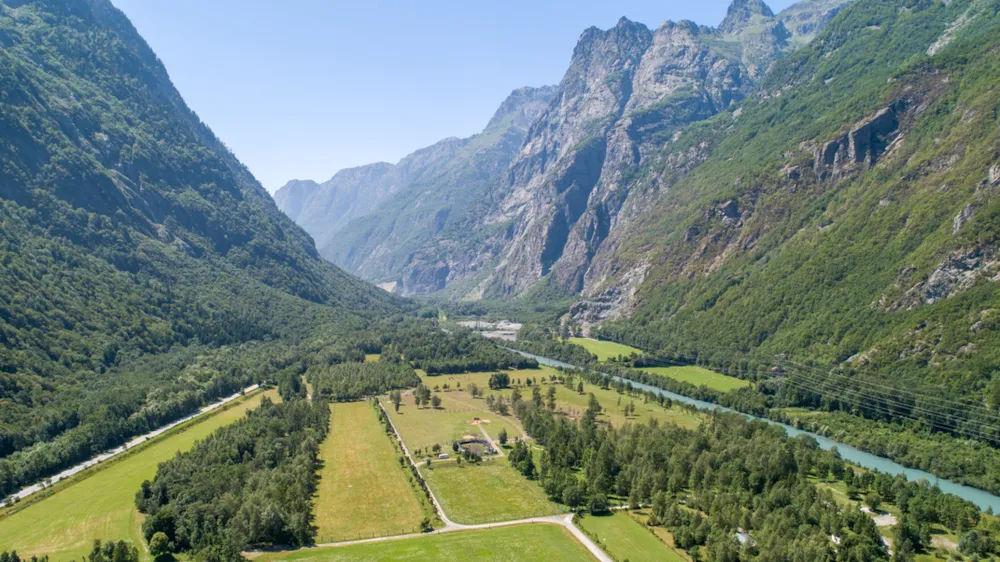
column 250, row 484
column 109, row 551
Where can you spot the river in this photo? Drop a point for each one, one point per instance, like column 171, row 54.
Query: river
column 979, row 497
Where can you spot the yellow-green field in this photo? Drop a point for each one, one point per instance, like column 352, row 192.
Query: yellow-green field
column 699, row 376
column 363, row 490
column 422, row 428
column 604, row 350
column 625, row 539
column 372, row 357
column 551, row 543
column 100, row 505
column 491, row 491
column 568, row 401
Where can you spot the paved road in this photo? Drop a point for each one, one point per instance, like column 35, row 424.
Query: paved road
column 566, row 519
column 137, row 441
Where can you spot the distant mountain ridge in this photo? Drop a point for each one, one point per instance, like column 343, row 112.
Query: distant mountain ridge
column 370, row 219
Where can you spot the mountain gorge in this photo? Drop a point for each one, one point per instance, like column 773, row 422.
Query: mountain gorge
column 819, row 182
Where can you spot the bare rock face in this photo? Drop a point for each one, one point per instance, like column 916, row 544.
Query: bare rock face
column 555, row 205
column 956, row 273
column 861, row 147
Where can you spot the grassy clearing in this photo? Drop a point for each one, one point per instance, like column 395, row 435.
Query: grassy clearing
column 699, row 376
column 100, row 506
column 363, row 490
column 372, row 358
column 604, row 350
column 491, row 491
column 626, row 539
column 504, row 544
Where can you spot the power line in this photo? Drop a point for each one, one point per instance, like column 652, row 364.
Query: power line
column 946, row 422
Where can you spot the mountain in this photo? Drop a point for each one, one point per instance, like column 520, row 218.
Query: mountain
column 374, row 219
column 548, row 200
column 845, row 213
column 573, row 190
column 144, row 268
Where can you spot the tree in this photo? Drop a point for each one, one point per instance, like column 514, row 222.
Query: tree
column 515, row 396
column 573, row 496
column 499, row 381
column 159, row 545
column 536, row 396
column 551, row 392
column 579, row 387
column 397, row 398
column 597, row 503
column 503, row 436
column 873, row 500
column 436, row 401
column 436, row 448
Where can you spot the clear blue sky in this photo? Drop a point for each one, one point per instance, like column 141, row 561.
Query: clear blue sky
column 303, row 88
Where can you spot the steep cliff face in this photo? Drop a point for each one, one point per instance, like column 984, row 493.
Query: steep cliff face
column 628, row 90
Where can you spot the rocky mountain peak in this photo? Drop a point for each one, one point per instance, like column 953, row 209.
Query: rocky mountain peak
column 520, row 106
column 742, row 13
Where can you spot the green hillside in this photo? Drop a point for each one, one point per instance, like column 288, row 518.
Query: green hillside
column 129, row 231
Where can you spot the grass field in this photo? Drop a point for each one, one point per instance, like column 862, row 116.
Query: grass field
column 625, row 539
column 363, row 491
column 100, row 506
column 604, row 350
column 568, row 401
column 372, row 358
column 699, row 376
column 491, row 491
column 504, row 544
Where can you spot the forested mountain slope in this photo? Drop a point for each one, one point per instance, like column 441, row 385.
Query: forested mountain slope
column 127, row 230
column 846, row 213
column 377, row 220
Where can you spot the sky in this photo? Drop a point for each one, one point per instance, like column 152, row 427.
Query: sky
column 299, row 89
